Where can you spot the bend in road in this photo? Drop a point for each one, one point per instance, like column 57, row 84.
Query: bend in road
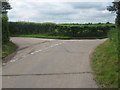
column 48, row 63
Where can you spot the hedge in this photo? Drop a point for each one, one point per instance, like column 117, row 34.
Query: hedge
column 28, row 28
column 5, row 29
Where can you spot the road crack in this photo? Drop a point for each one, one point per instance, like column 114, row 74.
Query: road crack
column 32, row 45
column 47, row 74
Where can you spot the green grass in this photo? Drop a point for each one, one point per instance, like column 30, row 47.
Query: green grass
column 105, row 62
column 57, row 37
column 45, row 36
column 7, row 49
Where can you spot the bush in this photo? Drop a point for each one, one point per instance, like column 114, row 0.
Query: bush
column 5, row 29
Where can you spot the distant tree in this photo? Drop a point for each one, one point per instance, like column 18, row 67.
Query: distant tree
column 115, row 8
column 108, row 23
column 89, row 23
column 99, row 23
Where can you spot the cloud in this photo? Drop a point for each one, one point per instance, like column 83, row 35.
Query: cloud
column 59, row 12
column 88, row 5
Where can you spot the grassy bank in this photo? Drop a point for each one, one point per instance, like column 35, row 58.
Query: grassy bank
column 57, row 37
column 7, row 49
column 105, row 62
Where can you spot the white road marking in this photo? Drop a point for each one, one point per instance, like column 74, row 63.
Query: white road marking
column 15, row 59
column 46, row 48
column 3, row 64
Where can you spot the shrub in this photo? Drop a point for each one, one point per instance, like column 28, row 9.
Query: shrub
column 5, row 29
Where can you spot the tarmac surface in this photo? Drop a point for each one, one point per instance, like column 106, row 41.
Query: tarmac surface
column 50, row 63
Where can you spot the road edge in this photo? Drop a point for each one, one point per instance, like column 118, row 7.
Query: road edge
column 9, row 57
column 91, row 60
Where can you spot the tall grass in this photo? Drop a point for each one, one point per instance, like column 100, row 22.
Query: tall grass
column 8, row 48
column 105, row 62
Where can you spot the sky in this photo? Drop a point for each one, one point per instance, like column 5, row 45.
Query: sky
column 60, row 11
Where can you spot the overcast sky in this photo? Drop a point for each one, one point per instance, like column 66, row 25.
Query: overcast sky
column 60, row 12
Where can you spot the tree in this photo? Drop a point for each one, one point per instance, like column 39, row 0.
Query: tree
column 115, row 8
column 5, row 28
column 5, row 6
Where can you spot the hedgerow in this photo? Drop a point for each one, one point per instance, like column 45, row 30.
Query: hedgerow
column 5, row 29
column 28, row 28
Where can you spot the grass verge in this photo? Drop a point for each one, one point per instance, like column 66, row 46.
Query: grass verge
column 57, row 37
column 7, row 49
column 105, row 62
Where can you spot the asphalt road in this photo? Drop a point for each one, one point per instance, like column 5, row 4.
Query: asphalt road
column 43, row 63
